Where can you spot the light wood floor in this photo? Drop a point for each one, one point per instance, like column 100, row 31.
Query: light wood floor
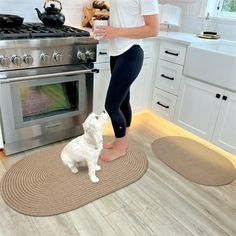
column 160, row 203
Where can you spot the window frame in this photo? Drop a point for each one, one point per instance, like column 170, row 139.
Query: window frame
column 215, row 9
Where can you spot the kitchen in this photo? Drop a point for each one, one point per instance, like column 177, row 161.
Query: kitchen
column 190, row 209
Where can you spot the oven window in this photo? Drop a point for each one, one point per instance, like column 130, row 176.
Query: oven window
column 48, row 100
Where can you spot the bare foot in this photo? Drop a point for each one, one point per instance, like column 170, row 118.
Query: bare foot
column 108, row 145
column 118, row 150
column 112, row 154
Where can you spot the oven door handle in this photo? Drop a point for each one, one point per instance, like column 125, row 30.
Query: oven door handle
column 31, row 77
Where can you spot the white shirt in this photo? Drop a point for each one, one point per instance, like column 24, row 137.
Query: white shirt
column 128, row 14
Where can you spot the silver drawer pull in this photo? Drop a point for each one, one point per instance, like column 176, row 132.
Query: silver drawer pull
column 167, row 107
column 172, row 53
column 167, row 77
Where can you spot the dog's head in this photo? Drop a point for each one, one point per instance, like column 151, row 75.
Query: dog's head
column 95, row 123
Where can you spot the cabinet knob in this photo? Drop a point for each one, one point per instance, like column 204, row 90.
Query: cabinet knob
column 224, row 98
column 218, row 95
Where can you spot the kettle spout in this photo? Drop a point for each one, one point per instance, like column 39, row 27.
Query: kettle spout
column 39, row 13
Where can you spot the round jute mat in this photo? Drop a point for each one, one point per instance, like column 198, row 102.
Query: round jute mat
column 41, row 185
column 194, row 161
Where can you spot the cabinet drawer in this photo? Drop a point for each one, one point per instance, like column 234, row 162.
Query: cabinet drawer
column 168, row 76
column 173, row 52
column 163, row 104
column 102, row 52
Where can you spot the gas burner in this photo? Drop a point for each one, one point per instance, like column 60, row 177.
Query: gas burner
column 38, row 30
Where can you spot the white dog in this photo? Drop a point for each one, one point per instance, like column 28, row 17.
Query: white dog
column 87, row 147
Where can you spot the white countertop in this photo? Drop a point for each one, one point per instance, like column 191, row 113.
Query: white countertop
column 177, row 37
column 185, row 38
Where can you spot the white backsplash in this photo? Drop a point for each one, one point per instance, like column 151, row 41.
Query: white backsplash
column 192, row 23
column 73, row 12
column 73, row 9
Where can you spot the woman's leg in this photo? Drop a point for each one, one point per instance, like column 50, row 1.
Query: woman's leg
column 126, row 68
column 127, row 112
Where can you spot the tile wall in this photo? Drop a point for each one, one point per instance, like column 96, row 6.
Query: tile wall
column 73, row 12
column 192, row 23
column 71, row 9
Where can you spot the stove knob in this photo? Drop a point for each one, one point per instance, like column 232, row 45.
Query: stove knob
column 28, row 59
column 57, row 57
column 81, row 56
column 16, row 60
column 90, row 55
column 5, row 61
column 45, row 58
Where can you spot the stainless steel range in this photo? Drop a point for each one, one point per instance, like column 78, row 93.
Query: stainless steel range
column 46, row 84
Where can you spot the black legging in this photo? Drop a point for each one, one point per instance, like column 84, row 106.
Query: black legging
column 124, row 70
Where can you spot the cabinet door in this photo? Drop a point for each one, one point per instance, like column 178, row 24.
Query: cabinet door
column 101, row 82
column 198, row 106
column 225, row 130
column 140, row 95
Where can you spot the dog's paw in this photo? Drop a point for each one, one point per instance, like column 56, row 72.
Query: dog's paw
column 74, row 170
column 94, row 179
column 98, row 167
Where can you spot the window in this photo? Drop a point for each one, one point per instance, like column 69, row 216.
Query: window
column 229, row 6
column 227, row 9
column 219, row 8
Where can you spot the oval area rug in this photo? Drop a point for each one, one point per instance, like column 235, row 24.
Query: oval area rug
column 41, row 185
column 194, row 161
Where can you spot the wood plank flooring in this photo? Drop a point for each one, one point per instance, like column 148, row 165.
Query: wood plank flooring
column 161, row 203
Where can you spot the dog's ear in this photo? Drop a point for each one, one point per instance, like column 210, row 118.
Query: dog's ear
column 85, row 126
column 90, row 130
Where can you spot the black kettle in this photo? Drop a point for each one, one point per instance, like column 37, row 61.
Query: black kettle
column 52, row 16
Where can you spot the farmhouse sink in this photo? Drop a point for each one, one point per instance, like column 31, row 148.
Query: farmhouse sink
column 214, row 63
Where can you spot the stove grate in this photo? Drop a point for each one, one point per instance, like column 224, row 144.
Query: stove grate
column 38, row 30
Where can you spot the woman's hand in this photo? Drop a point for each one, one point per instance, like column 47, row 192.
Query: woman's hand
column 105, row 32
column 149, row 29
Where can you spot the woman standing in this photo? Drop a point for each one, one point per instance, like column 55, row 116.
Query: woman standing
column 129, row 22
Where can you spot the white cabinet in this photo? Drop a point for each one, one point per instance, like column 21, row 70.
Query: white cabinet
column 225, row 131
column 173, row 52
column 140, row 92
column 207, row 111
column 198, row 107
column 168, row 77
column 101, row 82
column 164, row 103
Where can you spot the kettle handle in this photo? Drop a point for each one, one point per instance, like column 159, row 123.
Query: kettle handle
column 45, row 3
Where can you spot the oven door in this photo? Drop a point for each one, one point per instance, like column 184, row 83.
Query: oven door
column 41, row 109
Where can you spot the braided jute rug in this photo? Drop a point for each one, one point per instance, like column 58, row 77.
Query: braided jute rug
column 41, row 185
column 194, row 161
